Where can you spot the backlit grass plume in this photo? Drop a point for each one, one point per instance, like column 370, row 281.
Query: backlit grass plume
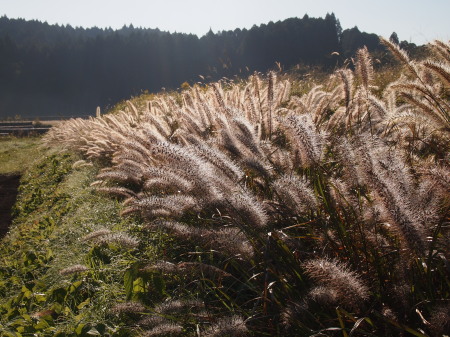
column 288, row 215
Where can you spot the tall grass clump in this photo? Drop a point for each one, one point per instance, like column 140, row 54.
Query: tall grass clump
column 325, row 214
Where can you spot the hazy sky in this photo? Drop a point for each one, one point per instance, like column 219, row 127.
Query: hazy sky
column 418, row 21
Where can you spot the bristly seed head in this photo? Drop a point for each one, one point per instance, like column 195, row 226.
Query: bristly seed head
column 75, row 269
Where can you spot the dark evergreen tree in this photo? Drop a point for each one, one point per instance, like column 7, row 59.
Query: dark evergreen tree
column 66, row 71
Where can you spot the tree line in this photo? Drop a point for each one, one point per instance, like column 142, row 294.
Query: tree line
column 66, row 71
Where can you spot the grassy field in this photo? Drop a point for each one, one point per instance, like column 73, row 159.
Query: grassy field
column 266, row 207
column 17, row 154
column 55, row 209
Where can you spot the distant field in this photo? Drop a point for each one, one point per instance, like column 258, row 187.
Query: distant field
column 25, row 128
column 51, row 122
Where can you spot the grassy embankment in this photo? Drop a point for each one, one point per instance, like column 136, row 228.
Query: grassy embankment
column 292, row 209
column 16, row 154
column 55, row 209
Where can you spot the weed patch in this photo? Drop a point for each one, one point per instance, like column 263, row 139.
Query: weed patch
column 41, row 291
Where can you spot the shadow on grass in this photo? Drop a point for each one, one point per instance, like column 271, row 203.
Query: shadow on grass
column 9, row 184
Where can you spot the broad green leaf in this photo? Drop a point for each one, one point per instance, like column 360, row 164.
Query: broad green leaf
column 128, row 283
column 83, row 304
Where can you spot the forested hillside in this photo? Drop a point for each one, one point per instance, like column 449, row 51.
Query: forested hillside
column 65, row 71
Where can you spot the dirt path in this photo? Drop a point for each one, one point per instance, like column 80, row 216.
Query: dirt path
column 8, row 193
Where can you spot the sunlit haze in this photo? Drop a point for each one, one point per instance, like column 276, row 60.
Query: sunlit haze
column 416, row 21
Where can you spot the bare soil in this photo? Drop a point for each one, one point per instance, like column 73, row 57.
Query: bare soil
column 9, row 185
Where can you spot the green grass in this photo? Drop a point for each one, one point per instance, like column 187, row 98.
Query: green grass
column 16, row 154
column 56, row 207
column 334, row 268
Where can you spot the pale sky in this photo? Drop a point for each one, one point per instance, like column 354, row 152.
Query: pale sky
column 418, row 21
